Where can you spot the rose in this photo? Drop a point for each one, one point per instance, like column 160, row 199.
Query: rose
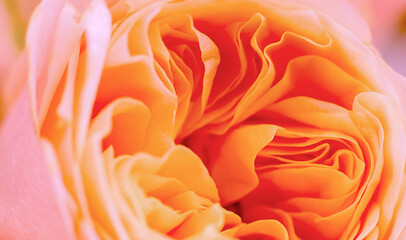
column 150, row 120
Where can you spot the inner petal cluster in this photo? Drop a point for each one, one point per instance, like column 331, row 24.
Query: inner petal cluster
column 268, row 102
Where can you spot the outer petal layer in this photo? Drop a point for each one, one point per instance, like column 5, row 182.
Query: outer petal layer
column 31, row 199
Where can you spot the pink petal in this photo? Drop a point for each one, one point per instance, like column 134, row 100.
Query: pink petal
column 40, row 33
column 28, row 194
column 97, row 24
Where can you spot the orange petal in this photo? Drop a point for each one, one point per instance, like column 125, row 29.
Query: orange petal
column 212, row 217
column 184, row 165
column 263, row 229
column 233, row 170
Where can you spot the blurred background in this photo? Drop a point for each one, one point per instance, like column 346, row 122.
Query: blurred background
column 387, row 21
column 386, row 18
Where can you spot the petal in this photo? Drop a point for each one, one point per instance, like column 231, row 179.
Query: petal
column 29, row 195
column 342, row 12
column 40, row 33
column 212, row 217
column 394, row 153
column 233, row 170
column 187, row 167
column 129, row 125
column 97, row 25
column 263, row 229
